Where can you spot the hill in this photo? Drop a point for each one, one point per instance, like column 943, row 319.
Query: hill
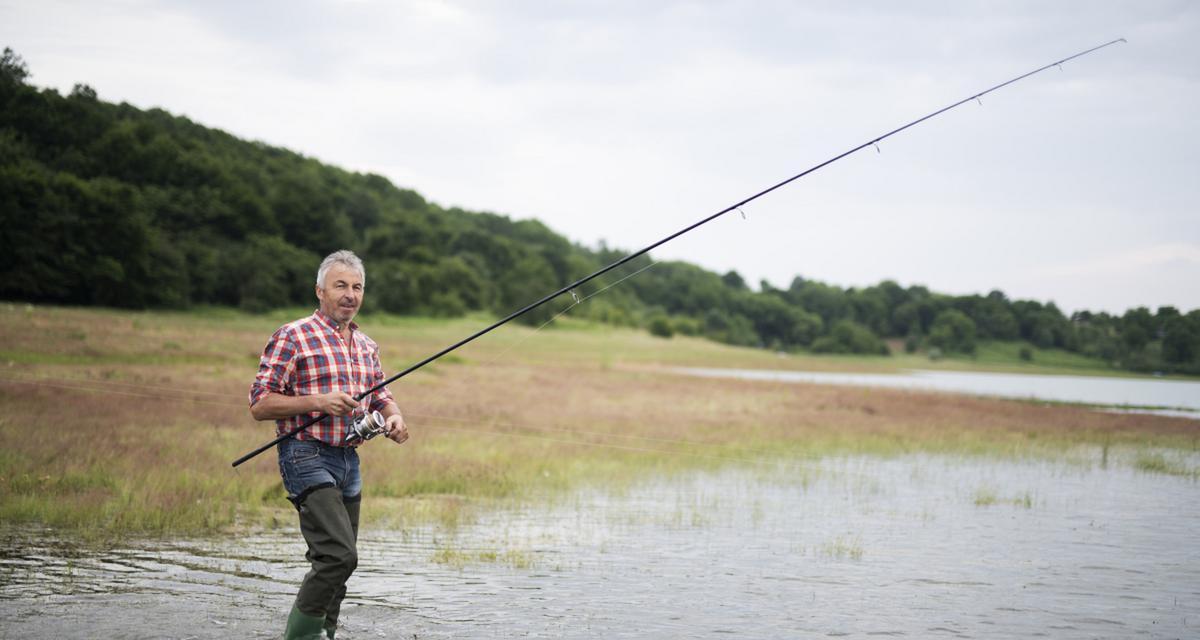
column 111, row 205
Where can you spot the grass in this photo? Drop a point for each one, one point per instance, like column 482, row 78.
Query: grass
column 1157, row 462
column 843, row 547
column 459, row 558
column 1005, row 357
column 114, row 422
column 986, row 497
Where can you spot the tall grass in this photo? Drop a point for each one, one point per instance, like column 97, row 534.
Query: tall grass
column 117, row 422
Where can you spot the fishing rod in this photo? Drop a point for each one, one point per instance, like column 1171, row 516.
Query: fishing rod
column 372, row 426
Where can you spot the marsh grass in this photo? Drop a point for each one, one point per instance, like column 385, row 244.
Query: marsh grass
column 987, row 497
column 460, row 558
column 843, row 547
column 1158, row 462
column 105, row 430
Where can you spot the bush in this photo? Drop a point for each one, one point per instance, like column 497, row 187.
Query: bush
column 686, row 326
column 848, row 336
column 912, row 343
column 660, row 326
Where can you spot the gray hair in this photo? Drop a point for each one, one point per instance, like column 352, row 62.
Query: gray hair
column 344, row 257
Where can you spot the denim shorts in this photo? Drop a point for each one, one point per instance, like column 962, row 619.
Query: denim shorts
column 308, row 465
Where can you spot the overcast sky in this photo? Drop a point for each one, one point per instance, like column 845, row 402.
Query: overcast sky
column 625, row 121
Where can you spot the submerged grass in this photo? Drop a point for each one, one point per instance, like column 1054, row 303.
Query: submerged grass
column 843, row 547
column 986, row 497
column 126, row 422
column 460, row 558
column 1157, row 462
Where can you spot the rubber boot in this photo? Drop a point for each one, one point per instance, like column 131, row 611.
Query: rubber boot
column 335, row 607
column 301, row 626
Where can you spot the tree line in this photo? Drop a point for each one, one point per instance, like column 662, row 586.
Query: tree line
column 108, row 204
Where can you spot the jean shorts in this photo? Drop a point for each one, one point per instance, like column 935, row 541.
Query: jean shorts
column 308, row 465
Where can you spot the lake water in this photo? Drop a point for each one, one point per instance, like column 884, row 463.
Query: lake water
column 1179, row 397
column 916, row 546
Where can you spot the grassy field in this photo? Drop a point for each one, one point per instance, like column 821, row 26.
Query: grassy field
column 126, row 422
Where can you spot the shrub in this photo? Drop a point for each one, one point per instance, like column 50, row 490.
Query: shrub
column 660, row 326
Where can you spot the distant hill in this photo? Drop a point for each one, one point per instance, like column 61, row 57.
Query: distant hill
column 108, row 204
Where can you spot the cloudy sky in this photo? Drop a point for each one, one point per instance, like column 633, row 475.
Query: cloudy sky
column 624, row 121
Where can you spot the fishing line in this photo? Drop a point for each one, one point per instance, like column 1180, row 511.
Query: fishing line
column 692, row 454
column 736, row 206
column 512, row 429
column 112, row 383
column 176, row 396
column 430, row 416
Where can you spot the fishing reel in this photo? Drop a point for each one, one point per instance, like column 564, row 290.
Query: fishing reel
column 366, row 427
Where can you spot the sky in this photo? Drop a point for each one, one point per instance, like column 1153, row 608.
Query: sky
column 624, row 121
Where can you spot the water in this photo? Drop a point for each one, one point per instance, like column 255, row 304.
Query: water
column 918, row 546
column 1183, row 397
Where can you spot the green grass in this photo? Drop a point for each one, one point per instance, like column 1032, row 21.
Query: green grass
column 843, row 547
column 115, row 423
column 987, row 497
column 1157, row 462
column 460, row 558
column 1004, row 357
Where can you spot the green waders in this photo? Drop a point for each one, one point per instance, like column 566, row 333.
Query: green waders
column 330, row 527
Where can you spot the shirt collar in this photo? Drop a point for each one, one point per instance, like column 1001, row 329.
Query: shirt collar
column 330, row 322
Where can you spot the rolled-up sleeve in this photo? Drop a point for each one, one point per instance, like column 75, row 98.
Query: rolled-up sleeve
column 276, row 367
column 380, row 398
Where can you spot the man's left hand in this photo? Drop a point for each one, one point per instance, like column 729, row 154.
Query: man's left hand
column 395, row 429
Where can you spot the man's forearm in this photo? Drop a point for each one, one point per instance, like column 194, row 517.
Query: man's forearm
column 390, row 409
column 275, row 406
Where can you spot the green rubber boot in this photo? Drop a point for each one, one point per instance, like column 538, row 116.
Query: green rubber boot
column 301, row 626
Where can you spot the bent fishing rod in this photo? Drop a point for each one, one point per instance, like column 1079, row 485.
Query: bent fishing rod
column 370, row 430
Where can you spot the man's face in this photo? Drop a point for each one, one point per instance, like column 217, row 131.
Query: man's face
column 341, row 293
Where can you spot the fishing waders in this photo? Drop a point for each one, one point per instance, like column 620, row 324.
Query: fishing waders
column 330, row 527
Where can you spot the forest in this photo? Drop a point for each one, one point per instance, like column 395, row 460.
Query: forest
column 111, row 205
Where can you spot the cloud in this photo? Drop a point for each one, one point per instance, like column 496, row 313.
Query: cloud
column 1162, row 257
column 627, row 120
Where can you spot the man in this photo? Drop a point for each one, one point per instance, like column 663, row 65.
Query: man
column 316, row 365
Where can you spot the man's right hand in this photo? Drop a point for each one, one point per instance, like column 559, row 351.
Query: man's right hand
column 336, row 403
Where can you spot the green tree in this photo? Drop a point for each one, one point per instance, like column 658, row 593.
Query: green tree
column 1181, row 342
column 13, row 70
column 952, row 332
column 847, row 336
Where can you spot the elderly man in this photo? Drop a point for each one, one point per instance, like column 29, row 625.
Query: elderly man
column 316, row 365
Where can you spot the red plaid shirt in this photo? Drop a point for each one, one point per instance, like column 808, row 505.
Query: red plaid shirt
column 308, row 357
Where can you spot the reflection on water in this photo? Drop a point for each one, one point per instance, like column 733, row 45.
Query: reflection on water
column 917, row 546
column 1141, row 392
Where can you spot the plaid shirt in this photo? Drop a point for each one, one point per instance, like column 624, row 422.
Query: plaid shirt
column 308, row 357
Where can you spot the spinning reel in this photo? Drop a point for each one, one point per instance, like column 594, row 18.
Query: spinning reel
column 366, row 427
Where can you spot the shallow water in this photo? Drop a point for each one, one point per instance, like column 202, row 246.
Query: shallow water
column 1183, row 396
column 916, row 546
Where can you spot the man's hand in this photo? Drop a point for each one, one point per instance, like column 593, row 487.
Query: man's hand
column 395, row 429
column 336, row 403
